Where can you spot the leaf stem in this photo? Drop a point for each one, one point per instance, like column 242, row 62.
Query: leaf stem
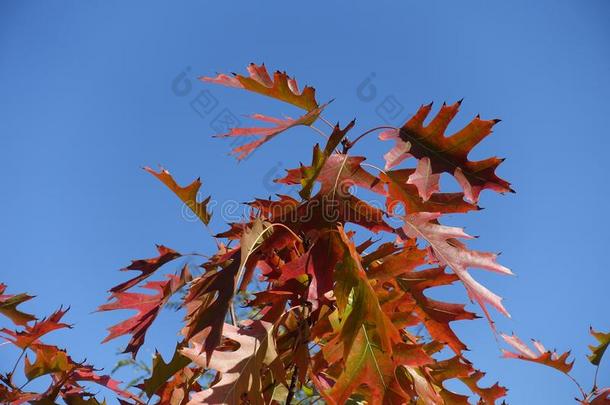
column 319, row 131
column 16, row 364
column 359, row 137
column 582, row 392
column 374, row 167
column 293, row 382
column 324, row 120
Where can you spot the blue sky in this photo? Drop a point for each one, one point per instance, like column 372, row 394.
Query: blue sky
column 88, row 96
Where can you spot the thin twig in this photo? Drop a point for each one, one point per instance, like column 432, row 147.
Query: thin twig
column 584, row 396
column 319, row 131
column 233, row 314
column 595, row 378
column 17, row 363
column 374, row 167
column 324, row 120
column 352, row 143
column 293, row 383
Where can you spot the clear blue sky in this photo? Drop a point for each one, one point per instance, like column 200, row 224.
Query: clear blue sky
column 86, row 99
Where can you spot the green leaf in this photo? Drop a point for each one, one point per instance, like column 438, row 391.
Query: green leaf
column 161, row 371
column 356, row 300
column 8, row 307
column 49, row 360
column 597, row 352
column 365, row 364
column 319, row 159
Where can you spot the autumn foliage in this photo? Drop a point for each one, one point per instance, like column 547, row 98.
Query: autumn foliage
column 317, row 296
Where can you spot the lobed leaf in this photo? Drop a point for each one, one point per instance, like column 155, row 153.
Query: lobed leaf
column 543, row 356
column 452, row 253
column 447, row 153
column 597, row 352
column 241, row 368
column 162, row 371
column 282, row 87
column 8, row 307
column 147, row 306
column 188, row 194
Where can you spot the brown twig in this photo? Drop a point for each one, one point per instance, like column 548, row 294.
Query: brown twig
column 293, row 383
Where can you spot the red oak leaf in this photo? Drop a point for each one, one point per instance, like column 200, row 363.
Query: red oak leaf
column 338, row 174
column 31, row 334
column 399, row 191
column 67, row 376
column 399, row 152
column 356, row 297
column 265, row 134
column 281, row 87
column 147, row 305
column 146, row 267
column 320, row 156
column 366, row 365
column 543, row 356
column 209, row 298
column 435, row 315
column 452, row 253
column 447, row 154
column 8, row 307
column 423, row 178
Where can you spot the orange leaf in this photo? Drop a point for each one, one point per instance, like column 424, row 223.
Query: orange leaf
column 281, row 87
column 31, row 334
column 187, row 194
column 8, row 307
column 543, row 356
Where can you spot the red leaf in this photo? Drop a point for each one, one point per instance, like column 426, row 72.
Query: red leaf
column 208, row 300
column 423, row 178
column 338, row 174
column 399, row 191
column 452, row 253
column 147, row 305
column 543, row 356
column 31, row 334
column 447, row 154
column 353, row 286
column 146, row 267
column 265, row 134
column 281, row 87
column 436, row 315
